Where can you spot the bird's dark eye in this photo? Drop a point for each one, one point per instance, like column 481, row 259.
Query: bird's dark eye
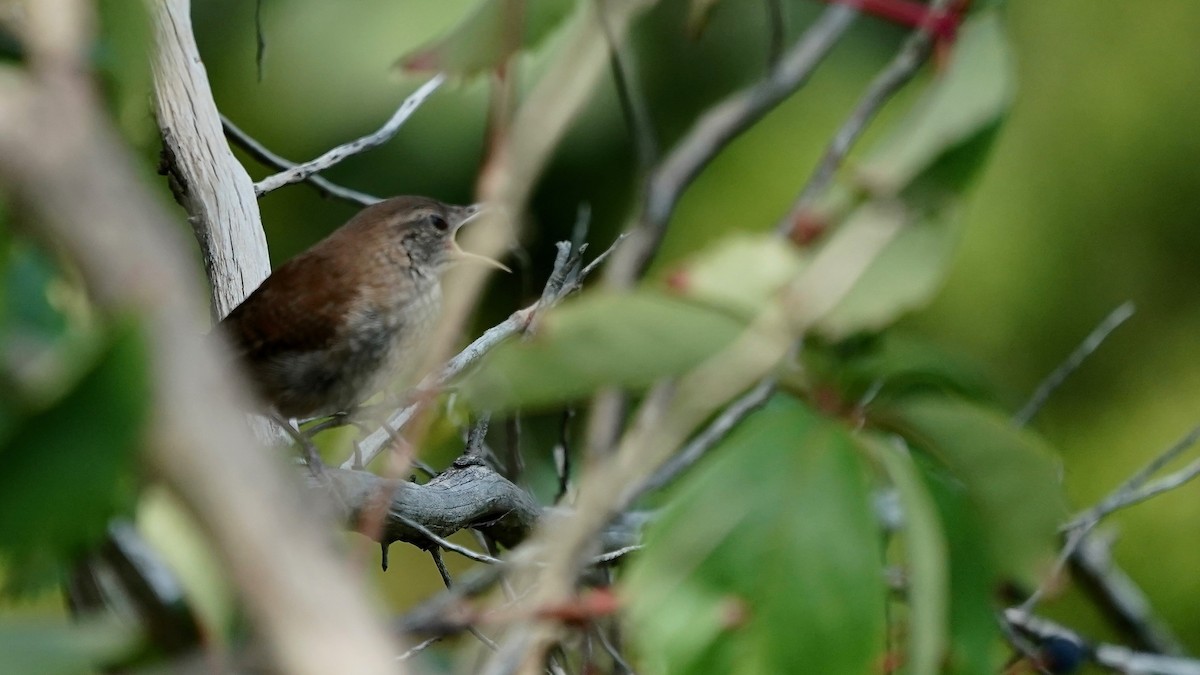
column 438, row 222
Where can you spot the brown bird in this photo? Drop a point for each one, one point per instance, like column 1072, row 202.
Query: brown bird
column 328, row 327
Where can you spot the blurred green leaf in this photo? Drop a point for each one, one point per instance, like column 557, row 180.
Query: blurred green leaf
column 628, row 340
column 67, row 469
column 893, row 365
column 62, row 648
column 739, row 274
column 698, row 13
column 1010, row 474
column 927, row 560
column 45, row 338
column 905, row 275
column 974, row 92
column 927, row 161
column 975, row 645
column 767, row 559
column 489, row 34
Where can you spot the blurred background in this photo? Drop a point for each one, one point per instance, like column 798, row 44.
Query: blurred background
column 1090, row 199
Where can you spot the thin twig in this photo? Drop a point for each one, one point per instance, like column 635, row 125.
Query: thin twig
column 633, row 104
column 514, row 463
column 261, row 153
column 616, row 555
column 1115, row 657
column 444, row 543
column 562, row 455
column 1135, row 489
column 1120, row 599
column 613, row 652
column 312, row 456
column 420, row 647
column 1132, row 491
column 449, row 582
column 713, row 131
column 341, row 152
column 1076, row 358
column 713, row 434
column 896, row 74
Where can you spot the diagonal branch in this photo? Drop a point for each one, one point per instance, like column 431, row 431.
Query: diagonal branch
column 713, row 131
column 382, row 135
column 264, row 155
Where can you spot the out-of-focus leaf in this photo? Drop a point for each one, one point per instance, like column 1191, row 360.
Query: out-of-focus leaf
column 63, row 648
column 488, row 35
column 740, row 274
column 966, row 100
column 927, row 560
column 698, row 13
column 123, row 59
column 626, row 340
column 904, row 276
column 767, row 559
column 975, row 645
column 1010, row 474
column 891, row 365
column 922, row 168
column 66, row 469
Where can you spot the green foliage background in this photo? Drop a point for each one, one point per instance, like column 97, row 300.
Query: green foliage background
column 1089, row 198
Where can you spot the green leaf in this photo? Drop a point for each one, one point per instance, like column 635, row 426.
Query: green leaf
column 905, row 276
column 893, row 365
column 975, row 645
column 62, row 648
column 628, row 340
column 967, row 100
column 489, row 34
column 67, row 469
column 740, row 274
column 767, row 559
column 927, row 559
column 698, row 13
column 921, row 171
column 1010, row 474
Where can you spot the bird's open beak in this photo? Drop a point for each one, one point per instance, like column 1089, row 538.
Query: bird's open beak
column 473, row 212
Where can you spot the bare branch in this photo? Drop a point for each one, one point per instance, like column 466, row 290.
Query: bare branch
column 341, row 152
column 1135, row 489
column 264, row 155
column 633, row 104
column 1121, row 659
column 896, row 74
column 1055, row 379
column 713, row 434
column 1120, row 599
column 1132, row 491
column 713, row 131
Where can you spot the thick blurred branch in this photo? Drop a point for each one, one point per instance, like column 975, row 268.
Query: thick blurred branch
column 63, row 159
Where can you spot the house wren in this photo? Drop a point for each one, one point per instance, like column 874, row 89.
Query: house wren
column 328, row 327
